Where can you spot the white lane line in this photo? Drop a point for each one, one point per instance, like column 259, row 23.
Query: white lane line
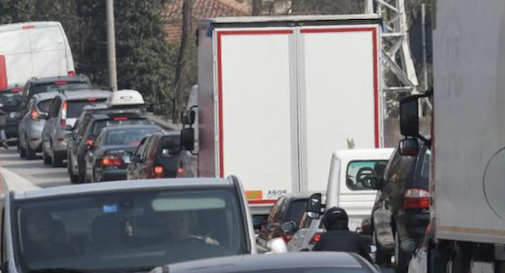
column 14, row 182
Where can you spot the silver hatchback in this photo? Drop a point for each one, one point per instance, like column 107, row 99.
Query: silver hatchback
column 32, row 123
column 63, row 113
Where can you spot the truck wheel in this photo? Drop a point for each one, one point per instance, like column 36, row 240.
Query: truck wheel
column 401, row 257
column 462, row 260
column 30, row 153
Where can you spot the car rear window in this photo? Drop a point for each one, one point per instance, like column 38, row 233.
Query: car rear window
column 99, row 125
column 296, row 210
column 74, row 107
column 44, row 105
column 54, row 87
column 128, row 136
column 10, row 98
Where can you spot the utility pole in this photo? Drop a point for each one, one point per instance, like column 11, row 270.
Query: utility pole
column 111, row 43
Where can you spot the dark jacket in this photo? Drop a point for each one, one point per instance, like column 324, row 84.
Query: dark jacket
column 344, row 240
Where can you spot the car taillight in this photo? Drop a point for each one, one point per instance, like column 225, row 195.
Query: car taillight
column 28, row 26
column 63, row 120
column 60, row 83
column 120, row 118
column 71, row 73
column 180, row 170
column 316, row 238
column 111, row 160
column 35, row 115
column 416, row 199
column 16, row 90
column 90, row 142
column 158, row 172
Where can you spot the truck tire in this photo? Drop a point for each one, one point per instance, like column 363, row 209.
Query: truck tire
column 462, row 259
column 401, row 257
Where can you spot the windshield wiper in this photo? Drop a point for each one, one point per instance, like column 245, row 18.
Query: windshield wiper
column 60, row 270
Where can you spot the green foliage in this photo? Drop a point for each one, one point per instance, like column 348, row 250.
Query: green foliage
column 15, row 11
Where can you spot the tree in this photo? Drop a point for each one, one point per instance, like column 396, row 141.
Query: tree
column 15, row 11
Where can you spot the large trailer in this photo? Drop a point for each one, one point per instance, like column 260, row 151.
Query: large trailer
column 468, row 137
column 276, row 95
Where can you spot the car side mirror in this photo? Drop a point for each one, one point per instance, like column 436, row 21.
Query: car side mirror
column 67, row 127
column 409, row 147
column 188, row 139
column 289, row 228
column 314, row 206
column 368, row 178
column 135, row 158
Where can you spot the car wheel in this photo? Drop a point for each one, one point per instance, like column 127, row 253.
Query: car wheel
column 30, row 153
column 22, row 152
column 57, row 159
column 73, row 178
column 382, row 257
column 45, row 157
column 401, row 257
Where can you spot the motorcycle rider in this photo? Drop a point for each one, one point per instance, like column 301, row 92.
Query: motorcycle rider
column 338, row 237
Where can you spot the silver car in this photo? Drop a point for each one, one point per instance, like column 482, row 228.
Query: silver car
column 65, row 109
column 32, row 123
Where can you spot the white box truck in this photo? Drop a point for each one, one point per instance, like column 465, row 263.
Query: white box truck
column 468, row 136
column 34, row 49
column 276, row 95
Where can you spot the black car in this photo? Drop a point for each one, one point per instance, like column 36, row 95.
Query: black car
column 10, row 99
column 288, row 209
column 403, row 192
column 89, row 126
column 108, row 157
column 157, row 156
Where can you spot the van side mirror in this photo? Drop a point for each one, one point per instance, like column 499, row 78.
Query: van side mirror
column 188, row 139
column 409, row 147
column 3, row 73
column 314, row 206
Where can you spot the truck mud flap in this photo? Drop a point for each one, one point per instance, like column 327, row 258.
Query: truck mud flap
column 383, row 231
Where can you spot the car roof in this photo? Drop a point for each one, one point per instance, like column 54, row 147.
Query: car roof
column 258, row 263
column 127, row 185
column 108, row 115
column 85, row 94
column 364, row 154
column 45, row 96
column 132, row 127
column 79, row 78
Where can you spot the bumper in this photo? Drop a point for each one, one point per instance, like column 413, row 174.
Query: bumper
column 111, row 175
column 416, row 224
column 60, row 146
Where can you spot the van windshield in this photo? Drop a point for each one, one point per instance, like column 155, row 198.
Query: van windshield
column 128, row 231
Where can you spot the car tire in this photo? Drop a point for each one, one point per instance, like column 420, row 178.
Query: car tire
column 30, row 153
column 22, row 152
column 401, row 257
column 57, row 160
column 382, row 257
column 45, row 157
column 73, row 178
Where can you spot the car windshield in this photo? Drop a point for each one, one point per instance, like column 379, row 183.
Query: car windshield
column 128, row 136
column 75, row 107
column 296, row 210
column 54, row 87
column 99, row 125
column 9, row 98
column 128, row 230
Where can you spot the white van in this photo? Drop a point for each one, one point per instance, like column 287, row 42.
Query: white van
column 35, row 49
column 346, row 190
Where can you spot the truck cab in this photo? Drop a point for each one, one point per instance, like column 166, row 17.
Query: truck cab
column 124, row 226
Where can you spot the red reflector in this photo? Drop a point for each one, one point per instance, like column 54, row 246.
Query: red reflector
column 16, row 90
column 34, row 138
column 63, row 122
column 60, row 83
column 316, row 238
column 28, row 27
column 91, row 99
column 71, row 73
column 158, row 170
column 416, row 199
column 120, row 118
column 180, row 170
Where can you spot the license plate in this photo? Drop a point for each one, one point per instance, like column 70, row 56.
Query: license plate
column 126, row 159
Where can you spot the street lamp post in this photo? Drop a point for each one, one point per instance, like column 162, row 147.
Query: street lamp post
column 111, row 43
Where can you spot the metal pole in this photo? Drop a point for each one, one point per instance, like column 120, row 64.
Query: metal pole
column 425, row 69
column 111, row 42
column 368, row 6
